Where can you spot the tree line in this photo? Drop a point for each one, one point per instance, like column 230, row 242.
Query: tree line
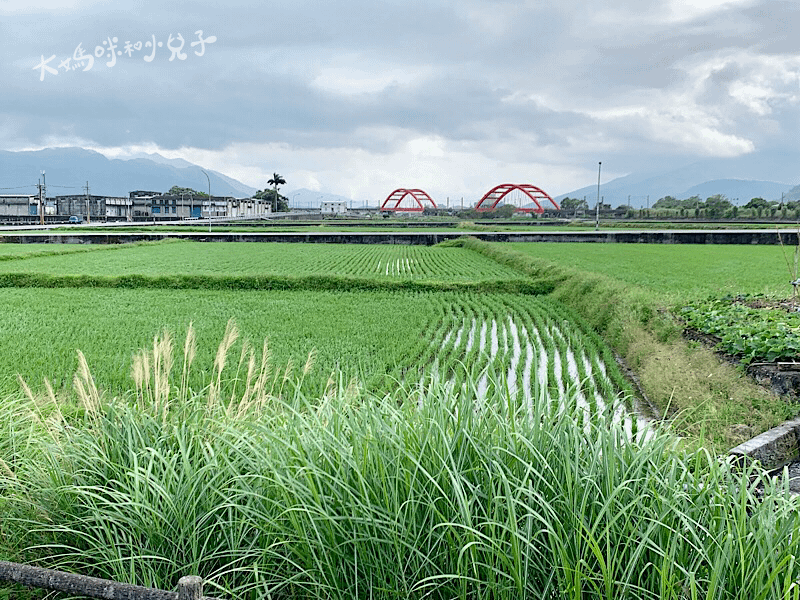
column 717, row 206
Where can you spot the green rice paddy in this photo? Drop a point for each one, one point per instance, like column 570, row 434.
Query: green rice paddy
column 452, row 441
column 243, row 259
column 676, row 271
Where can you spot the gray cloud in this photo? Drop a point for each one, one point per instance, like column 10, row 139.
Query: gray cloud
column 571, row 78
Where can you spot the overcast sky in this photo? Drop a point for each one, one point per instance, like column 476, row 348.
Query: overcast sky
column 359, row 97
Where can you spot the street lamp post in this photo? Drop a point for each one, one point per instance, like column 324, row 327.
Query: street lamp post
column 597, row 213
column 209, row 200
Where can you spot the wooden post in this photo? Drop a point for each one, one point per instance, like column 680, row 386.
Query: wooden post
column 190, row 587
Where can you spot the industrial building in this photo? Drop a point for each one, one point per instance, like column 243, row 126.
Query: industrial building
column 189, row 206
column 140, row 205
column 18, row 206
column 96, row 207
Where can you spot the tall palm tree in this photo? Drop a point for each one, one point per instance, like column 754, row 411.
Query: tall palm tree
column 275, row 182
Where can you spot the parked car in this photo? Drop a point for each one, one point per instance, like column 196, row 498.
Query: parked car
column 74, row 219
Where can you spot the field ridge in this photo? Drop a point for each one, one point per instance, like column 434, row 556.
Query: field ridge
column 267, row 282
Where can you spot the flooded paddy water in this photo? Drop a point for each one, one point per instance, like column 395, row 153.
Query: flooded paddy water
column 528, row 352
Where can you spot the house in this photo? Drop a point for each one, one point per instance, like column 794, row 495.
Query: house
column 334, row 207
column 139, row 205
column 118, row 208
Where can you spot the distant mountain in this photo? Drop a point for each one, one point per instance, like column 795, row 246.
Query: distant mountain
column 67, row 171
column 752, row 177
column 157, row 158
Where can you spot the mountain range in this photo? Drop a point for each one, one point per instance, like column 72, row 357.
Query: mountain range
column 768, row 175
column 67, row 171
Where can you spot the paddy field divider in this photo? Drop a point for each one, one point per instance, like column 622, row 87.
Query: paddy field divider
column 268, row 282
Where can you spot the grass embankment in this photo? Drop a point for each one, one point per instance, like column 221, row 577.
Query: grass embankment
column 421, row 493
column 709, row 400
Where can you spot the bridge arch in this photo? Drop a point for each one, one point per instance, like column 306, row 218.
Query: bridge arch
column 496, row 194
column 419, row 199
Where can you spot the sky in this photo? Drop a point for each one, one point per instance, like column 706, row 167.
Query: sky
column 360, row 97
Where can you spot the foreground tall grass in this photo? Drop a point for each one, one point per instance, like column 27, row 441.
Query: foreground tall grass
column 424, row 493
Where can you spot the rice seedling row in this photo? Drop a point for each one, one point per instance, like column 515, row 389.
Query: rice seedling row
column 349, row 331
column 524, row 345
column 375, row 337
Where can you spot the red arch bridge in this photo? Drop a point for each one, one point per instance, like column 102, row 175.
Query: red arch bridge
column 530, row 197
column 408, row 200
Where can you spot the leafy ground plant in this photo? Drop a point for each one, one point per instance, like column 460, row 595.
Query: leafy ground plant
column 747, row 327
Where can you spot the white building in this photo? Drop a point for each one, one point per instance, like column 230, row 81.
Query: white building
column 334, row 208
column 249, row 207
column 233, row 208
column 119, row 207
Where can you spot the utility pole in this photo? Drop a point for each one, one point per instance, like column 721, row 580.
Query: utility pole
column 209, row 200
column 88, row 206
column 597, row 214
column 42, row 198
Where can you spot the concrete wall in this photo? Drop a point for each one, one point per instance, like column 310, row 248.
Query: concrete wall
column 745, row 237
